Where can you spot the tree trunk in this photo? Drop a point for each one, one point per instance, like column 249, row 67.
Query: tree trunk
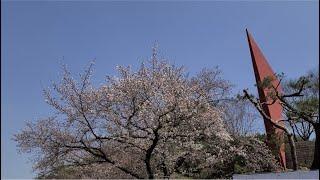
column 149, row 153
column 293, row 152
column 315, row 163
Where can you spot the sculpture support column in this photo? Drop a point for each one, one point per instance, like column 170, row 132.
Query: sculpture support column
column 262, row 70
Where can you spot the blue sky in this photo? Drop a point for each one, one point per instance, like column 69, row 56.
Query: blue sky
column 37, row 37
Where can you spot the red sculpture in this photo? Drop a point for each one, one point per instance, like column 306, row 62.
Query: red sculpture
column 262, row 70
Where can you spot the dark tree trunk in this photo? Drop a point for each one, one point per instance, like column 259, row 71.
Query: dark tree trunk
column 316, row 158
column 293, row 152
column 149, row 153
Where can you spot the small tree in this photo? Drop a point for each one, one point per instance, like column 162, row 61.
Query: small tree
column 278, row 124
column 296, row 109
column 309, row 102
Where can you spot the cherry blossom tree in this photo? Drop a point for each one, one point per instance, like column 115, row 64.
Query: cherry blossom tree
column 147, row 123
column 137, row 123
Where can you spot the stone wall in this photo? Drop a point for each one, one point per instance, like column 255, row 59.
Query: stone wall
column 305, row 151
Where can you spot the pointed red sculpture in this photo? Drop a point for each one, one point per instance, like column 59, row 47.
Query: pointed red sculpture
column 262, row 70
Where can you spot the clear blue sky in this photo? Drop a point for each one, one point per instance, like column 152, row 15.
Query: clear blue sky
column 36, row 35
